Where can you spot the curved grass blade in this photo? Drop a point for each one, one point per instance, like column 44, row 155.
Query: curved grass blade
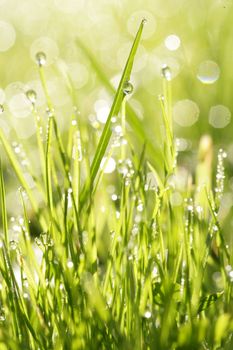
column 106, row 134
column 133, row 120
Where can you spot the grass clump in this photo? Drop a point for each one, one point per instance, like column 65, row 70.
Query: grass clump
column 128, row 267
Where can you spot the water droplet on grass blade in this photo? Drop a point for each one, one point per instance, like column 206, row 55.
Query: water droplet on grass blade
column 166, row 72
column 41, row 58
column 1, row 109
column 161, row 97
column 140, row 207
column 13, row 244
column 147, row 314
column 31, row 95
column 127, row 88
column 70, row 264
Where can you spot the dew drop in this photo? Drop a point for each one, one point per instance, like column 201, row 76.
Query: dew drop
column 13, row 244
column 148, row 21
column 127, row 88
column 1, row 109
column 114, row 197
column 118, row 129
column 2, row 315
column 50, row 112
column 161, row 97
column 147, row 314
column 70, row 264
column 25, row 283
column 140, row 207
column 31, row 95
column 40, row 58
column 199, row 209
column 113, row 120
column 166, row 72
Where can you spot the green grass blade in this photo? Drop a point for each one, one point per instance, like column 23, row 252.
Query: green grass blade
column 133, row 120
column 3, row 205
column 17, row 169
column 106, row 134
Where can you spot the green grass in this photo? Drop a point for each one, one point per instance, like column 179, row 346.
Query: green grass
column 128, row 267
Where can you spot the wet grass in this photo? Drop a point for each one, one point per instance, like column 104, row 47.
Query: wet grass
column 141, row 265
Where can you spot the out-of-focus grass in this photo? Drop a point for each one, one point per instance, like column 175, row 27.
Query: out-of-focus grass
column 132, row 224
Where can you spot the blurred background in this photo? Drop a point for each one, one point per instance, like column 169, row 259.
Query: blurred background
column 194, row 38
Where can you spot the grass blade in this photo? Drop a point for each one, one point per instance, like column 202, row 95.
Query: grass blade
column 133, row 120
column 106, row 134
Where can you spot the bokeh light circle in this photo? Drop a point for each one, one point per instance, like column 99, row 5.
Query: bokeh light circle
column 208, row 72
column 7, row 36
column 172, row 42
column 20, row 106
column 186, row 112
column 219, row 116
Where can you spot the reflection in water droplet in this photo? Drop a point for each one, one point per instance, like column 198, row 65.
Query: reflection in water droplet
column 172, row 42
column 186, row 112
column 208, row 72
column 219, row 116
column 41, row 58
column 31, row 95
column 166, row 72
column 127, row 88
